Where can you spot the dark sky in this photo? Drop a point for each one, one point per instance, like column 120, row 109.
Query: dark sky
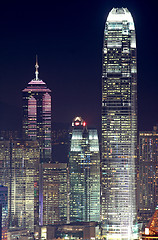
column 68, row 38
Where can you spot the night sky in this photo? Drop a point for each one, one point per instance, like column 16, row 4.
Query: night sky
column 67, row 36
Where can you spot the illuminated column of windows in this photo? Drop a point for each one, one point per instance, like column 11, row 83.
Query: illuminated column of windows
column 32, row 118
column 119, row 124
column 47, row 123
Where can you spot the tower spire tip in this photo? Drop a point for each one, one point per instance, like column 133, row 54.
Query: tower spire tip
column 36, row 66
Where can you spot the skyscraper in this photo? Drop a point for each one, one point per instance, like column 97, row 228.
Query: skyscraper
column 37, row 115
column 53, row 193
column 147, row 187
column 119, row 125
column 4, row 215
column 84, row 172
column 19, row 171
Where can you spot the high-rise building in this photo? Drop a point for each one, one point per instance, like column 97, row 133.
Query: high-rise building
column 119, row 125
column 147, row 186
column 5, row 163
column 53, row 193
column 4, row 214
column 19, row 171
column 84, row 173
column 37, row 115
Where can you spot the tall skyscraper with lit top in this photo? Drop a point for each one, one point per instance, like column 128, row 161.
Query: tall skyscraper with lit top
column 119, row 125
column 37, row 114
column 84, row 173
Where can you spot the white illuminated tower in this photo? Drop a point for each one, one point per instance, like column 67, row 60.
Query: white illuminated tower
column 119, row 126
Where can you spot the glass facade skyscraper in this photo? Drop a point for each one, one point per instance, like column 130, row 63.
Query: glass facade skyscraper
column 84, row 172
column 37, row 115
column 119, row 125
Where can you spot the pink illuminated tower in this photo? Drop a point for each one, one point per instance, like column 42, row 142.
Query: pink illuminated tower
column 37, row 114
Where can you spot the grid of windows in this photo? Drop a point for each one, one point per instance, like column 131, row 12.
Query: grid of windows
column 37, row 116
column 19, row 170
column 84, row 168
column 147, row 187
column 4, row 211
column 119, row 123
column 53, row 179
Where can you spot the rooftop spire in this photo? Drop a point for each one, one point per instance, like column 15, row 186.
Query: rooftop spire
column 36, row 66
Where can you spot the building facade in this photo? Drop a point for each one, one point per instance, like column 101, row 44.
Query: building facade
column 4, row 212
column 37, row 115
column 53, row 193
column 119, row 125
column 84, row 173
column 147, row 186
column 21, row 175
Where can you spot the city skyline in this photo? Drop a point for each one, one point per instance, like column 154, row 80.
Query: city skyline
column 70, row 52
column 86, row 69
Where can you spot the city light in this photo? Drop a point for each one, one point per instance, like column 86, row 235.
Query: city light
column 92, row 178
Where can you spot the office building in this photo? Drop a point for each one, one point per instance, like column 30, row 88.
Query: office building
column 24, row 186
column 53, row 193
column 119, row 125
column 5, row 163
column 37, row 115
column 19, row 171
column 84, row 173
column 4, row 211
column 147, row 185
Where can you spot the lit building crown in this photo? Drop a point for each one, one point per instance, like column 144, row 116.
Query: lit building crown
column 37, row 114
column 78, row 121
column 36, row 83
column 84, row 173
column 119, row 15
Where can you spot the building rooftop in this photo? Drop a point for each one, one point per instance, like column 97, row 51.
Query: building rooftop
column 119, row 15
